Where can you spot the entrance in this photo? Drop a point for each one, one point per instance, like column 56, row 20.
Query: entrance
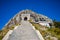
column 25, row 18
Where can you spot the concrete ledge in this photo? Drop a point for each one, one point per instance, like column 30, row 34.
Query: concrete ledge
column 7, row 35
column 33, row 27
column 38, row 33
column 15, row 27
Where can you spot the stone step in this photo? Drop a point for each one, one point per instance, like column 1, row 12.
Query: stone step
column 24, row 32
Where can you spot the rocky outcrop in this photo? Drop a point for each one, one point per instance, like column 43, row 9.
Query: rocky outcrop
column 37, row 18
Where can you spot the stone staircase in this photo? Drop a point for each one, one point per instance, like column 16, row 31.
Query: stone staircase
column 24, row 32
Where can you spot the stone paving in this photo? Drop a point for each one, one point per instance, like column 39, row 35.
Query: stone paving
column 24, row 32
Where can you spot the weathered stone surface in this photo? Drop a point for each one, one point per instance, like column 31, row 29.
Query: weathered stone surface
column 7, row 35
column 36, row 17
column 24, row 32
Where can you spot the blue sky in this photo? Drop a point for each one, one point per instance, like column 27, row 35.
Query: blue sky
column 8, row 8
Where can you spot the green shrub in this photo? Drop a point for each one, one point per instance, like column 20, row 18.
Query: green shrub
column 1, row 37
column 4, row 31
column 56, row 24
column 37, row 26
column 55, row 32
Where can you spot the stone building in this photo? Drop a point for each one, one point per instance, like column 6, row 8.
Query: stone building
column 25, row 17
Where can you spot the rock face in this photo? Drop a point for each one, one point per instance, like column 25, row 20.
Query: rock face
column 37, row 18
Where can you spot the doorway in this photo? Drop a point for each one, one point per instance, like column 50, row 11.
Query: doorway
column 25, row 18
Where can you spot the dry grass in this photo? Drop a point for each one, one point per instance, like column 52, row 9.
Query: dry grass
column 4, row 31
column 54, row 32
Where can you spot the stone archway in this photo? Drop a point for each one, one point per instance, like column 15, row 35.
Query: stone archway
column 25, row 18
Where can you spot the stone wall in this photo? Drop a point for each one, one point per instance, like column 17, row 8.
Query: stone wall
column 25, row 15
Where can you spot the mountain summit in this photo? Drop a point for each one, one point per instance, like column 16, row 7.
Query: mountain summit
column 35, row 17
column 20, row 26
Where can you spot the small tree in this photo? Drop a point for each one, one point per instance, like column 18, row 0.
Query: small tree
column 56, row 23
